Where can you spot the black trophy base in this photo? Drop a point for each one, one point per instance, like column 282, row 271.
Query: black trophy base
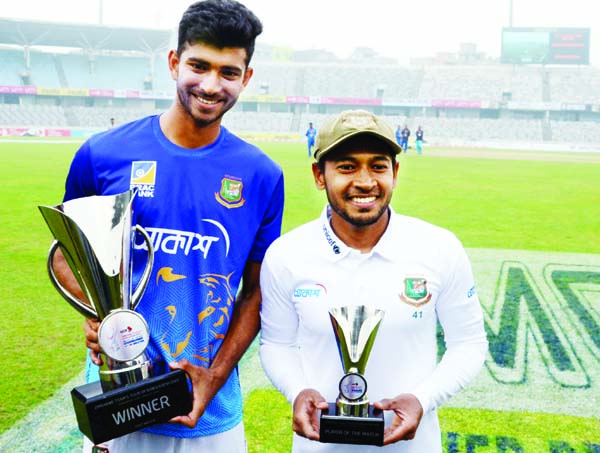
column 105, row 416
column 338, row 429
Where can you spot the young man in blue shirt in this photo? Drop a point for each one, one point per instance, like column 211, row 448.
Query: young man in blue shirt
column 211, row 204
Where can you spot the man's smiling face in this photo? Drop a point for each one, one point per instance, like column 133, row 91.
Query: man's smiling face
column 209, row 80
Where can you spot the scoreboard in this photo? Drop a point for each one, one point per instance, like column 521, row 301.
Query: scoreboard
column 546, row 46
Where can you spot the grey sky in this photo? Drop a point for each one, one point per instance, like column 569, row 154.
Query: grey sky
column 394, row 28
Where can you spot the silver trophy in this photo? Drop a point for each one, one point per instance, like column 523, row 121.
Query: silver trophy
column 96, row 236
column 351, row 419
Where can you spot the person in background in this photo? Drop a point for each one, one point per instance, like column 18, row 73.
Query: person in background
column 212, row 203
column 399, row 135
column 419, row 140
column 405, row 135
column 360, row 252
column 310, row 134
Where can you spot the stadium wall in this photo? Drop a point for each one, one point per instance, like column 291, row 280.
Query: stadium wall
column 455, row 104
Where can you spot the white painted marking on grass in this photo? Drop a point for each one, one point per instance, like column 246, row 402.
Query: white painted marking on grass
column 50, row 427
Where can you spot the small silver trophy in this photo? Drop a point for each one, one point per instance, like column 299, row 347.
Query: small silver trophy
column 351, row 419
column 95, row 235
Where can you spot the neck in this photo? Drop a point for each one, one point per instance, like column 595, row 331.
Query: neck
column 361, row 238
column 181, row 129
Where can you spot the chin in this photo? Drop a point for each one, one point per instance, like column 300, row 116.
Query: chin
column 363, row 221
column 205, row 120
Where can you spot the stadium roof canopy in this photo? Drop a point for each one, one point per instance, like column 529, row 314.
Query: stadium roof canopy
column 89, row 37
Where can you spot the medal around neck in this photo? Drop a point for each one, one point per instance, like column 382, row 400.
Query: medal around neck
column 96, row 236
column 351, row 419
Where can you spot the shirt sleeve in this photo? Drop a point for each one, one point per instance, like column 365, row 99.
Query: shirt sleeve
column 270, row 228
column 279, row 351
column 81, row 181
column 461, row 318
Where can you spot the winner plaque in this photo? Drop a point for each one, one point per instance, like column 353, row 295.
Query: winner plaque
column 95, row 235
column 351, row 419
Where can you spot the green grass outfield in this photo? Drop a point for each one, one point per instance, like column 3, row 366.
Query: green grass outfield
column 528, row 220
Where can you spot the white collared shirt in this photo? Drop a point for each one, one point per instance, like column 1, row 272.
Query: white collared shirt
column 417, row 273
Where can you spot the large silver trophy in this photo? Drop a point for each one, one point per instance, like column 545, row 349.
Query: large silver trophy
column 351, row 419
column 96, row 236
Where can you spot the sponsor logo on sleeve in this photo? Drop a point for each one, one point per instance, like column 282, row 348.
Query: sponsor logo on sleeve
column 471, row 292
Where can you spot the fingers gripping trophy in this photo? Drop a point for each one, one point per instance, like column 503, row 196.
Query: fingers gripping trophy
column 95, row 235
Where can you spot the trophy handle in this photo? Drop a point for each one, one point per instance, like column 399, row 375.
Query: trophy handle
column 77, row 304
column 145, row 278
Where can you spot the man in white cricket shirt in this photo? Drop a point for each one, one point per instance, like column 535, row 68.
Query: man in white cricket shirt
column 360, row 252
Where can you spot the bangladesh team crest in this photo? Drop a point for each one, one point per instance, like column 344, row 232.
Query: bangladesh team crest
column 230, row 194
column 415, row 291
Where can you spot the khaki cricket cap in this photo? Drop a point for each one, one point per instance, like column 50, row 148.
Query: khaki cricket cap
column 348, row 124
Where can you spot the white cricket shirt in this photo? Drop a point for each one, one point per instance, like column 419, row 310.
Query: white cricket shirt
column 417, row 273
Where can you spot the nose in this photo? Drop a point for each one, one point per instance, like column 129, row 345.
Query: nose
column 209, row 83
column 364, row 179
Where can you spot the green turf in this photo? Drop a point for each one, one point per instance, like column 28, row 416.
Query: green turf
column 41, row 346
column 527, row 205
column 490, row 203
column 534, row 433
column 267, row 422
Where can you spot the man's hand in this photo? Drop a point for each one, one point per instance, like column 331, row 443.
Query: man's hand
column 205, row 386
column 407, row 416
column 90, row 327
column 306, row 410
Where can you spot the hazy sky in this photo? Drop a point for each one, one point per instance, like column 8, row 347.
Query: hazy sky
column 395, row 28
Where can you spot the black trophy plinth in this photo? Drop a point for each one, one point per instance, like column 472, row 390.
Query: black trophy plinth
column 340, row 429
column 105, row 416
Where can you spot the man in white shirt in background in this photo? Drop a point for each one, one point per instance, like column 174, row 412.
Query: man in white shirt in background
column 359, row 252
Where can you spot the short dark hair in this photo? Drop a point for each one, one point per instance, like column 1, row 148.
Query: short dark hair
column 219, row 23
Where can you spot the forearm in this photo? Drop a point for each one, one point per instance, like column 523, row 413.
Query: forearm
column 459, row 365
column 243, row 328
column 65, row 276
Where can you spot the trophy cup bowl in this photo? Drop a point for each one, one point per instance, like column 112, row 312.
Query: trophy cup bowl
column 351, row 419
column 95, row 236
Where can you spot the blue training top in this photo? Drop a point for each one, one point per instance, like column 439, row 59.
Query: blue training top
column 207, row 211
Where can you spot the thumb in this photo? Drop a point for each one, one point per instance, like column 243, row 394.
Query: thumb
column 180, row 365
column 385, row 404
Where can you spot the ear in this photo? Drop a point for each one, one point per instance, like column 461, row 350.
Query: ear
column 247, row 76
column 396, row 168
column 173, row 64
column 319, row 176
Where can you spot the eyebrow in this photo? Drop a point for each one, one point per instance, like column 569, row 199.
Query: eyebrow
column 206, row 62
